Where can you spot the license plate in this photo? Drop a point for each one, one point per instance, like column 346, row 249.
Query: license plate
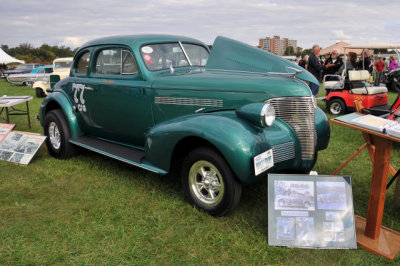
column 263, row 162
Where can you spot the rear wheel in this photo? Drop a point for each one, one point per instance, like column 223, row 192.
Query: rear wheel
column 336, row 106
column 57, row 131
column 209, row 183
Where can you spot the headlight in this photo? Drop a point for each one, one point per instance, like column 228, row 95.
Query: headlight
column 260, row 114
column 268, row 114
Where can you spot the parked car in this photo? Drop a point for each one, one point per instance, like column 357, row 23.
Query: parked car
column 28, row 79
column 295, row 199
column 164, row 102
column 61, row 67
column 23, row 68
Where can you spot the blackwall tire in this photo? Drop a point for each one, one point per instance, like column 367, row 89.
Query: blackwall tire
column 336, row 107
column 40, row 93
column 57, row 131
column 209, row 183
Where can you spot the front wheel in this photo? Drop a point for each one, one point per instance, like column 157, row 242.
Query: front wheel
column 336, row 106
column 57, row 131
column 209, row 183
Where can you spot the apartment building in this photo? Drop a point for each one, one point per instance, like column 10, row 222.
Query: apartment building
column 277, row 45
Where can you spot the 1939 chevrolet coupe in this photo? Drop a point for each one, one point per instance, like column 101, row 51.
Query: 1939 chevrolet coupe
column 160, row 102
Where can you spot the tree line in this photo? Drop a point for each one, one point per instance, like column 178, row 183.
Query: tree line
column 45, row 54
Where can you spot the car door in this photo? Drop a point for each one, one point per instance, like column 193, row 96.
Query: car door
column 116, row 97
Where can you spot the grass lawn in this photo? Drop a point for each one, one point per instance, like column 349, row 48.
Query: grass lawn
column 95, row 210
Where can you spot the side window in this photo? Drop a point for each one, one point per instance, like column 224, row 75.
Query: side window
column 48, row 70
column 83, row 63
column 128, row 63
column 115, row 61
column 40, row 71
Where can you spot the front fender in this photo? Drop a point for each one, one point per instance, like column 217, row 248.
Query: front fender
column 56, row 100
column 237, row 140
column 323, row 129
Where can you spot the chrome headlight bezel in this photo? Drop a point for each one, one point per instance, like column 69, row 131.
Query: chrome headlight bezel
column 268, row 115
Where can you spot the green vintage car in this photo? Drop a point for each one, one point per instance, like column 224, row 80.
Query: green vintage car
column 162, row 102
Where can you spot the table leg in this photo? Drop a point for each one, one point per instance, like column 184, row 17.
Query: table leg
column 377, row 193
column 8, row 116
column 27, row 110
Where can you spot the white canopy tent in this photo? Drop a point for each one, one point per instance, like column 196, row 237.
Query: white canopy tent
column 6, row 59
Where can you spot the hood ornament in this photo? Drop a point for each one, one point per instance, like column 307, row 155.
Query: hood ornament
column 290, row 75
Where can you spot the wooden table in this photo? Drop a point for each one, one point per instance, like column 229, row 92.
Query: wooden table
column 371, row 235
column 7, row 103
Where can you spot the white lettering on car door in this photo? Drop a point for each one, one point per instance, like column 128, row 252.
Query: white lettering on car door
column 79, row 89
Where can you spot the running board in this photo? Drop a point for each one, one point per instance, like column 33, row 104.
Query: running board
column 122, row 153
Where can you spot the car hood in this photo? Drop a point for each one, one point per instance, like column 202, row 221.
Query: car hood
column 229, row 54
column 270, row 86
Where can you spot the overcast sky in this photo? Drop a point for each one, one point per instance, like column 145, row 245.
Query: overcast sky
column 72, row 22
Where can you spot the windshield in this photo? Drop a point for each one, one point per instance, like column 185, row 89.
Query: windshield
column 62, row 64
column 164, row 55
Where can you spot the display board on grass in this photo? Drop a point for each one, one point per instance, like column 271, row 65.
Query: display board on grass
column 4, row 130
column 311, row 211
column 20, row 147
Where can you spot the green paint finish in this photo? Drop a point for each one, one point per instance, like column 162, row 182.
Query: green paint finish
column 162, row 111
column 59, row 100
column 233, row 55
column 236, row 139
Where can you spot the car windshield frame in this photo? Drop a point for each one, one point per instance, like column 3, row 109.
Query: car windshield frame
column 184, row 53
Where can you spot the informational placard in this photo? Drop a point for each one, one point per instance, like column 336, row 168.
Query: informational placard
column 4, row 130
column 20, row 147
column 311, row 211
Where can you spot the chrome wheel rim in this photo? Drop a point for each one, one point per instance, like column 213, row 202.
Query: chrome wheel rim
column 54, row 135
column 206, row 183
column 336, row 108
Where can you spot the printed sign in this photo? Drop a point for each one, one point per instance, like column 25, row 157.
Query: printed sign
column 310, row 211
column 20, row 147
column 4, row 130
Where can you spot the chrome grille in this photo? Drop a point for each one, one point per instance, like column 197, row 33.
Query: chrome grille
column 283, row 152
column 299, row 113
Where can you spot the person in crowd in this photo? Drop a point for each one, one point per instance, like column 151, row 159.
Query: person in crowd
column 393, row 64
column 336, row 61
column 303, row 62
column 350, row 63
column 386, row 64
column 296, row 62
column 371, row 65
column 316, row 67
column 379, row 68
column 364, row 61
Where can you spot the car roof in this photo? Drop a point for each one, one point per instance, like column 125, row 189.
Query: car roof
column 140, row 39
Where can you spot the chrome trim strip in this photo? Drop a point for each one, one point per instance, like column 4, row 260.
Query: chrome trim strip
column 188, row 101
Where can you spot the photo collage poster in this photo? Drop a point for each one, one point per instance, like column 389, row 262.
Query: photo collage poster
column 19, row 147
column 311, row 211
column 4, row 130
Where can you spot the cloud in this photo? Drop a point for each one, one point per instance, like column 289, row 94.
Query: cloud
column 72, row 42
column 340, row 35
column 73, row 22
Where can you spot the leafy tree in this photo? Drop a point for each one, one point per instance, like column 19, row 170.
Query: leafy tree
column 289, row 51
column 45, row 54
